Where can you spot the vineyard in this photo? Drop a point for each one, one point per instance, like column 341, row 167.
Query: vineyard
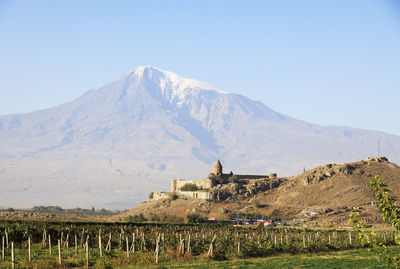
column 37, row 244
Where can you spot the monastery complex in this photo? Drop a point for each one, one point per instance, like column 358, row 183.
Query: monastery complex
column 202, row 189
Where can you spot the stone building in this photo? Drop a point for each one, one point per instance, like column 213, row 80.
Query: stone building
column 218, row 168
column 204, row 185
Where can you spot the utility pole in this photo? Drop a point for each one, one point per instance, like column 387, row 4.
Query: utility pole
column 379, row 147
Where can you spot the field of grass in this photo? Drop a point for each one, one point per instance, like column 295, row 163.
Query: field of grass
column 120, row 245
column 359, row 258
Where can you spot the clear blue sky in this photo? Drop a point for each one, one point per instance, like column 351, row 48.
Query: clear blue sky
column 326, row 62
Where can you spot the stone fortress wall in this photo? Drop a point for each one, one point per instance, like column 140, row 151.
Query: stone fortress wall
column 203, row 184
column 159, row 195
column 177, row 184
column 203, row 195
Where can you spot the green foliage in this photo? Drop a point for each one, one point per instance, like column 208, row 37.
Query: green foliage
column 172, row 196
column 254, row 242
column 77, row 210
column 151, row 195
column 136, row 218
column 194, row 218
column 390, row 214
column 46, row 209
column 257, row 203
column 190, row 187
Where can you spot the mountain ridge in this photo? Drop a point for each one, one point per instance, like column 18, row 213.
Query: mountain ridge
column 112, row 146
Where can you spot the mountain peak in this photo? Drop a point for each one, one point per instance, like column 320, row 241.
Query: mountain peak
column 152, row 125
column 164, row 78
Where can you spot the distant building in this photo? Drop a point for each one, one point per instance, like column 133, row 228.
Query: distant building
column 218, row 168
column 203, row 186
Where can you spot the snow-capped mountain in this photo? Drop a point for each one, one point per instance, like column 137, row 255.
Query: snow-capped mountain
column 112, row 146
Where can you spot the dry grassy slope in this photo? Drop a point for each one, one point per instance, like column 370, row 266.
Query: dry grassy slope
column 332, row 191
column 335, row 185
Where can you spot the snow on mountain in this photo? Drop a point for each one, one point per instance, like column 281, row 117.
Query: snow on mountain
column 112, row 146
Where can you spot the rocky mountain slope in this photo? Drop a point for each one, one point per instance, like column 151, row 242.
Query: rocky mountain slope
column 324, row 196
column 112, row 146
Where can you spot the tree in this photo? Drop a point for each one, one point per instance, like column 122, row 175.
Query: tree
column 136, row 218
column 189, row 187
column 390, row 214
column 172, row 196
column 194, row 218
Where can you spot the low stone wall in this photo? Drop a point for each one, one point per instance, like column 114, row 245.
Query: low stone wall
column 202, row 195
column 251, row 176
column 159, row 195
column 177, row 184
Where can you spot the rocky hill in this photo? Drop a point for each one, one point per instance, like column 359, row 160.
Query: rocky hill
column 322, row 196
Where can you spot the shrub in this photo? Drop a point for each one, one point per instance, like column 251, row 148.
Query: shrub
column 194, row 218
column 172, row 196
column 256, row 203
column 151, row 195
column 136, row 218
column 189, row 187
column 390, row 213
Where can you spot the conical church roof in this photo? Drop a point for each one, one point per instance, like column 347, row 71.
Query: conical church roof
column 218, row 164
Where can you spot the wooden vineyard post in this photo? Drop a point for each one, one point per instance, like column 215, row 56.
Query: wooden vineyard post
column 182, row 247
column 210, row 252
column 127, row 247
column 108, row 246
column 2, row 249
column 132, row 249
column 67, row 242
column 100, row 246
column 133, row 242
column 144, row 242
column 238, row 248
column 44, row 237
column 189, row 250
column 6, row 238
column 29, row 249
column 157, row 250
column 350, row 238
column 304, row 241
column 76, row 245
column 59, row 251
column 87, row 254
column 12, row 256
column 82, row 235
column 49, row 244
column 110, row 240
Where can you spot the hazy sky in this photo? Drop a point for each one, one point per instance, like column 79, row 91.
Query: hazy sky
column 326, row 62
